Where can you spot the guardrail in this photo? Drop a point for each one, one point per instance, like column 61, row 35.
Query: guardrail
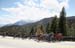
column 69, row 38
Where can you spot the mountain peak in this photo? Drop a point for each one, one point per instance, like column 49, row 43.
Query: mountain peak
column 22, row 22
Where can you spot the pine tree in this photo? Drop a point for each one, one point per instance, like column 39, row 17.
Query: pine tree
column 54, row 25
column 72, row 33
column 62, row 21
column 67, row 28
column 40, row 30
column 32, row 31
column 48, row 28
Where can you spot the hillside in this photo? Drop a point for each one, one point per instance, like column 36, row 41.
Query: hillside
column 26, row 28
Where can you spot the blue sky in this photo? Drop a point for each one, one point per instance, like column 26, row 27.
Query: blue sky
column 12, row 11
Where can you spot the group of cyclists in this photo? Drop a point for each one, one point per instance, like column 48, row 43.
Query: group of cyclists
column 51, row 36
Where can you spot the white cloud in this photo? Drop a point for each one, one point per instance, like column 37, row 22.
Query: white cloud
column 29, row 10
column 7, row 19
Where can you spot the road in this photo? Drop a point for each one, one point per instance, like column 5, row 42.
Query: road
column 9, row 42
